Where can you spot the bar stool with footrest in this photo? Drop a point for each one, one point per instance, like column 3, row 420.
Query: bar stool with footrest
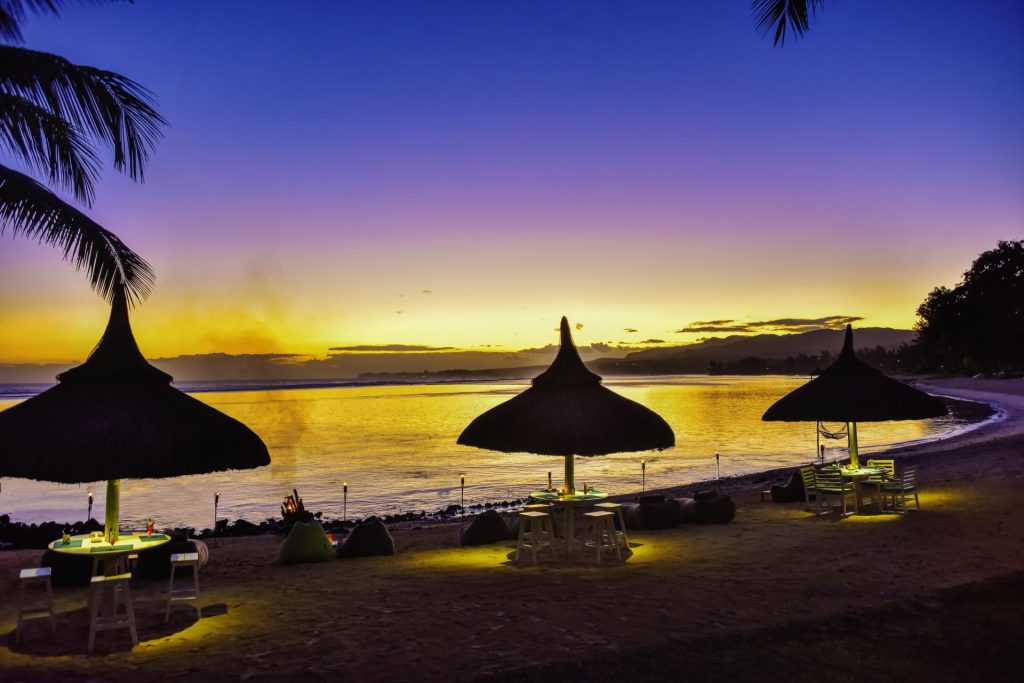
column 616, row 509
column 544, row 507
column 27, row 577
column 106, row 593
column 535, row 534
column 185, row 593
column 599, row 534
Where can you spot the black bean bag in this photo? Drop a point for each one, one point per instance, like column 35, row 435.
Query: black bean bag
column 792, row 492
column 487, row 527
column 369, row 538
column 67, row 569
column 711, row 508
column 652, row 512
column 687, row 510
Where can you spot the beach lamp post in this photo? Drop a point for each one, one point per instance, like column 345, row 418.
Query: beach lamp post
column 851, row 391
column 462, row 486
column 718, row 465
column 88, row 514
column 216, row 502
column 643, row 475
column 344, row 501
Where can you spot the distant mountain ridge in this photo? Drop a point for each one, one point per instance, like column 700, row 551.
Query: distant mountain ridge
column 696, row 357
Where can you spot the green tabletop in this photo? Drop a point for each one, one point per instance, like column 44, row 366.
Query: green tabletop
column 578, row 497
column 127, row 542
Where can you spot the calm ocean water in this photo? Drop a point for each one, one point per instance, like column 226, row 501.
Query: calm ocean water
column 395, row 447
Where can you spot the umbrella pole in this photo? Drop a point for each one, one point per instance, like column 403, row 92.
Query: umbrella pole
column 113, row 510
column 852, row 429
column 570, row 474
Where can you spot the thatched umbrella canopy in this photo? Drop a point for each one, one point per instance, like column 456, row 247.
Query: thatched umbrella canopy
column 117, row 417
column 851, row 391
column 568, row 412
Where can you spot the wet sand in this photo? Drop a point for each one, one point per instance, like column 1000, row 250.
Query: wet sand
column 438, row 612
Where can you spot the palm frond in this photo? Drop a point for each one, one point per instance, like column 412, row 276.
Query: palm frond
column 14, row 12
column 111, row 108
column 48, row 144
column 774, row 16
column 30, row 209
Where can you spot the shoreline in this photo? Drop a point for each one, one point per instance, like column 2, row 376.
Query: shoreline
column 959, row 389
column 772, row 585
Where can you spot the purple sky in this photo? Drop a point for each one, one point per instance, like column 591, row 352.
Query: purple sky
column 631, row 165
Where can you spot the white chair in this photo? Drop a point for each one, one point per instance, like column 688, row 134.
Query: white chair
column 185, row 593
column 535, row 535
column 901, row 489
column 113, row 591
column 26, row 611
column 830, row 483
column 599, row 534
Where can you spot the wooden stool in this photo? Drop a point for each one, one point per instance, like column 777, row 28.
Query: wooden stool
column 535, row 534
column 187, row 593
column 37, row 611
column 544, row 507
column 616, row 508
column 109, row 589
column 599, row 533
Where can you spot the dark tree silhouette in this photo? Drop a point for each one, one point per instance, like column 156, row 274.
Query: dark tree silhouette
column 54, row 116
column 978, row 325
column 776, row 17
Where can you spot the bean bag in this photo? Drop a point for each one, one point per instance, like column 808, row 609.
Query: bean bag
column 713, row 509
column 369, row 538
column 486, row 528
column 67, row 569
column 687, row 510
column 792, row 492
column 306, row 542
column 652, row 512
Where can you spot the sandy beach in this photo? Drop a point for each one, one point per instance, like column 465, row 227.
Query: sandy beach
column 775, row 593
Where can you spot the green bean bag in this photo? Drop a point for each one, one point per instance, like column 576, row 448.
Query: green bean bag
column 307, row 542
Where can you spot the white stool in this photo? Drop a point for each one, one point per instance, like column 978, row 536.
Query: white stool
column 34, row 611
column 616, row 509
column 546, row 508
column 535, row 534
column 599, row 534
column 187, row 593
column 117, row 587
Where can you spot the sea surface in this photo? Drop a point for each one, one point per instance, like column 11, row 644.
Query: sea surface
column 394, row 446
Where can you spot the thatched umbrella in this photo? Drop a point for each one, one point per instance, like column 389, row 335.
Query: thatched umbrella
column 117, row 417
column 851, row 391
column 567, row 412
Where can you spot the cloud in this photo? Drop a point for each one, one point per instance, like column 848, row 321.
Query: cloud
column 831, row 322
column 653, row 341
column 579, row 326
column 629, row 330
column 390, row 348
column 428, row 291
column 399, row 312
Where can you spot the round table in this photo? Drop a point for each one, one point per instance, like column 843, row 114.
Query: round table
column 110, row 554
column 569, row 502
column 856, row 475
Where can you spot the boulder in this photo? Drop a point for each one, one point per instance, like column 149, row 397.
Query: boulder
column 369, row 538
column 488, row 527
column 306, row 542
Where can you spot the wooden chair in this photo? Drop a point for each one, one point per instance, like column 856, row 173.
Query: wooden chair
column 901, row 489
column 807, row 475
column 26, row 610
column 872, row 484
column 114, row 591
column 830, row 483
